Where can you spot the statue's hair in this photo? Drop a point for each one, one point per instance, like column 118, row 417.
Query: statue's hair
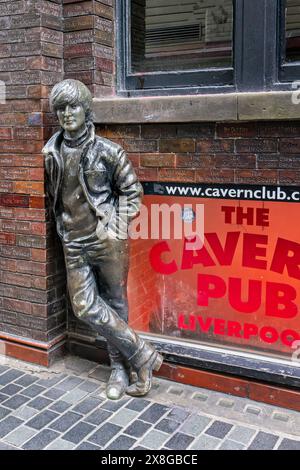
column 71, row 92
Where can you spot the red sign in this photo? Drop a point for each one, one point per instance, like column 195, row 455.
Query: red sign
column 241, row 288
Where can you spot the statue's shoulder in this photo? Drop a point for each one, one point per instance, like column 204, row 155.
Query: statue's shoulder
column 51, row 145
column 105, row 145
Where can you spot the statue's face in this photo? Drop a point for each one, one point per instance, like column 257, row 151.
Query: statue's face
column 71, row 117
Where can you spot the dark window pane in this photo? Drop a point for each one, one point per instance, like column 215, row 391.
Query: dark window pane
column 181, row 35
column 292, row 30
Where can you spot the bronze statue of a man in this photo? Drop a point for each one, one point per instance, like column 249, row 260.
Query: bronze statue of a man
column 87, row 177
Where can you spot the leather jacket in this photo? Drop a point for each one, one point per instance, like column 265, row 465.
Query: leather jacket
column 104, row 173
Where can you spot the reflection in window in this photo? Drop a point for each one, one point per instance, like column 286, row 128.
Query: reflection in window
column 292, row 30
column 181, row 34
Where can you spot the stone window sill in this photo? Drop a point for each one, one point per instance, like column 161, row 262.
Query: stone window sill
column 195, row 108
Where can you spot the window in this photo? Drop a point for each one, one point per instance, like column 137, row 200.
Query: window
column 290, row 40
column 207, row 46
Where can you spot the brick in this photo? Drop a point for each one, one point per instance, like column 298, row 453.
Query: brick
column 279, row 129
column 289, row 145
column 156, row 131
column 291, row 177
column 195, row 161
column 142, row 146
column 256, row 145
column 78, row 50
column 256, row 177
column 126, row 131
column 196, row 130
column 177, row 145
column 78, row 23
column 214, row 146
column 21, row 160
column 15, row 252
column 13, row 200
column 5, row 133
column 7, row 238
column 235, row 161
column 28, row 187
column 237, row 130
column 166, row 174
column 214, row 176
column 157, row 160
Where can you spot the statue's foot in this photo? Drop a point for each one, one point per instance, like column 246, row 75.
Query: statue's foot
column 117, row 383
column 144, row 376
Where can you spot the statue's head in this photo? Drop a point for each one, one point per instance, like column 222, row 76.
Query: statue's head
column 71, row 101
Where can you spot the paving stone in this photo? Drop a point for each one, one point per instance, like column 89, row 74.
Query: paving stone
column 178, row 414
column 231, row 445
column 39, row 403
column 138, row 404
column 111, row 405
column 60, row 406
column 100, row 373
column 61, row 444
column 33, row 391
column 88, row 446
column 3, row 369
column 54, row 393
column 205, row 442
column 10, row 376
column 51, row 381
column 78, row 365
column 195, row 425
column 167, row 425
column 154, row 439
column 78, row 432
column 121, row 443
column 98, row 417
column 20, row 435
column 3, row 397
column 89, row 386
column 65, row 422
column 137, row 428
column 25, row 413
column 179, row 441
column 11, row 389
column 4, row 412
column 289, row 444
column 241, row 434
column 154, row 413
column 69, row 383
column 123, row 417
column 7, row 447
column 263, row 441
column 104, row 434
column 219, row 429
column 15, row 402
column 41, row 440
column 141, row 448
column 42, row 419
column 75, row 396
column 26, row 380
column 87, row 405
column 8, row 424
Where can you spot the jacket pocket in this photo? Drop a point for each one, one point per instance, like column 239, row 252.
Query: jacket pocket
column 96, row 180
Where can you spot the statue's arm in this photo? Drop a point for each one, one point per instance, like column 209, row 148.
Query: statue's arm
column 127, row 186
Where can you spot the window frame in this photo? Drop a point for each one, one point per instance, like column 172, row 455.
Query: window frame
column 288, row 71
column 257, row 56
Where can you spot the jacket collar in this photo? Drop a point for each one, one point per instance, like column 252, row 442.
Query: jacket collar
column 54, row 144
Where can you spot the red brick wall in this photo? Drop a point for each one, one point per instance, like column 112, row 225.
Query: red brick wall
column 242, row 153
column 31, row 280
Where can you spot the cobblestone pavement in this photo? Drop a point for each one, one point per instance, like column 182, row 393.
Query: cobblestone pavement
column 65, row 408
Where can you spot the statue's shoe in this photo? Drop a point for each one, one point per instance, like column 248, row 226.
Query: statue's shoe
column 144, row 376
column 117, row 383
